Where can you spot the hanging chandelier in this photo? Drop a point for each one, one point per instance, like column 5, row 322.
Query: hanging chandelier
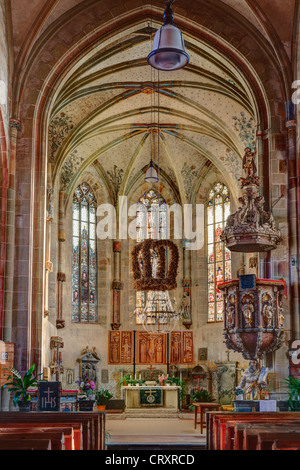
column 159, row 316
column 153, row 275
column 168, row 51
column 151, row 174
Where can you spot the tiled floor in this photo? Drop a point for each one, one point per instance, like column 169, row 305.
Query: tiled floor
column 158, row 431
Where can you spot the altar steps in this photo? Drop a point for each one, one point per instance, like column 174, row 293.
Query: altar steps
column 152, row 413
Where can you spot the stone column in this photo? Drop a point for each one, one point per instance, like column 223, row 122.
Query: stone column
column 15, row 126
column 117, row 286
column 293, row 220
column 61, row 277
column 187, row 287
column 48, row 263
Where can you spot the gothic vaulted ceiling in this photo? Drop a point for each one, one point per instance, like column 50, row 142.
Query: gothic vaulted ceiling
column 112, row 111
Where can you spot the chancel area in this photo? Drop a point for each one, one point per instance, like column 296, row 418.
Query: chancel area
column 150, row 195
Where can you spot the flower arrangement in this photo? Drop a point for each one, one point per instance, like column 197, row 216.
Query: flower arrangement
column 162, row 379
column 86, row 386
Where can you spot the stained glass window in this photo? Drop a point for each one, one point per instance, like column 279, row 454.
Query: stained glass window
column 219, row 257
column 84, row 259
column 151, row 223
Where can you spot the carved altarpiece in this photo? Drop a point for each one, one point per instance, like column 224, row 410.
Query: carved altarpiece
column 151, row 348
column 182, row 347
column 120, row 347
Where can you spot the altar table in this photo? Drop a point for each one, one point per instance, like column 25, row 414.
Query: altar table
column 169, row 395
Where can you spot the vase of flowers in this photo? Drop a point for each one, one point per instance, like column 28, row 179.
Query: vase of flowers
column 162, row 379
column 86, row 395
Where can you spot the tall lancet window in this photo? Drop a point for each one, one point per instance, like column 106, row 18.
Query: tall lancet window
column 219, row 257
column 151, row 223
column 84, row 259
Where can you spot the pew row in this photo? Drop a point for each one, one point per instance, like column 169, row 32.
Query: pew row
column 88, row 428
column 224, row 430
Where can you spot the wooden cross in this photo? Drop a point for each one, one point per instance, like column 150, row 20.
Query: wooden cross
column 151, row 370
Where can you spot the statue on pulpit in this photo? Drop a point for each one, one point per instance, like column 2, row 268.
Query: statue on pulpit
column 254, row 381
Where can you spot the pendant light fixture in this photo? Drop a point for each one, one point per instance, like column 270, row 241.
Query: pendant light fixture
column 168, row 51
column 151, row 174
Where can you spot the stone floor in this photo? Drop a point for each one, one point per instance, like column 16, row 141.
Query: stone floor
column 175, row 433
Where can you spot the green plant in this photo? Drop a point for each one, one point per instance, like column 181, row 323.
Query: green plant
column 102, row 397
column 125, row 380
column 293, row 386
column 202, row 396
column 15, row 383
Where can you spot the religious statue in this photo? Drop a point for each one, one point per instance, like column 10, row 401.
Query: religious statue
column 267, row 310
column 230, row 311
column 248, row 310
column 248, row 162
column 186, row 305
column 281, row 314
column 254, row 381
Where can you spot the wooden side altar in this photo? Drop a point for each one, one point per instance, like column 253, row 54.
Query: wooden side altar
column 151, row 396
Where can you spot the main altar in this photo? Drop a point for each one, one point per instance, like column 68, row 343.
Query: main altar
column 145, row 397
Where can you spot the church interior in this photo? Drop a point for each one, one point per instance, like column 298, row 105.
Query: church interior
column 150, row 214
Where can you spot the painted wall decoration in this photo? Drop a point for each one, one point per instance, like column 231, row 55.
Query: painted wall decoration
column 115, row 177
column 84, row 258
column 232, row 162
column 60, row 126
column 219, row 257
column 70, row 167
column 246, row 129
column 189, row 174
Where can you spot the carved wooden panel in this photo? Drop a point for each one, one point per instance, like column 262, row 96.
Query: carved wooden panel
column 120, row 347
column 151, row 349
column 182, row 347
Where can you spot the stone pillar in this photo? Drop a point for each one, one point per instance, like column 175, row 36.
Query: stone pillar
column 48, row 263
column 15, row 126
column 61, row 277
column 117, row 286
column 293, row 220
column 187, row 287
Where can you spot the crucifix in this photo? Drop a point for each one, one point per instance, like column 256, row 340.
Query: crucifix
column 151, row 370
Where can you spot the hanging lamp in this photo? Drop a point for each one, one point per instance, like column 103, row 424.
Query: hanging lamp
column 168, row 51
column 151, row 174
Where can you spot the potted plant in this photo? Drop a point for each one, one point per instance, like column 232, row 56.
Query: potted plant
column 124, row 380
column 102, row 398
column 15, row 383
column 201, row 396
column 293, row 386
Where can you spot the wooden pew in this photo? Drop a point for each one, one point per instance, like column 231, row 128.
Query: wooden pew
column 70, row 435
column 93, row 424
column 265, row 440
column 36, row 444
column 245, row 434
column 280, row 445
column 56, row 438
column 220, row 436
